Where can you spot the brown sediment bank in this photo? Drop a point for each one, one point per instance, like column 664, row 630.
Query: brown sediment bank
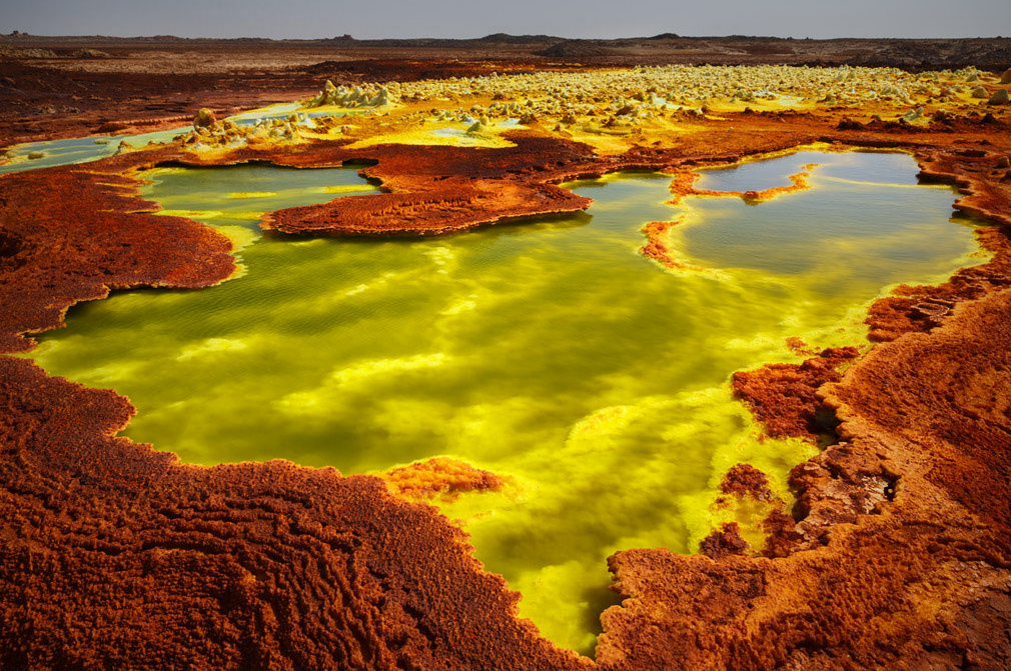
column 117, row 556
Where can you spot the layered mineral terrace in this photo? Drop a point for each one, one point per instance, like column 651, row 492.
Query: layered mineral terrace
column 117, row 555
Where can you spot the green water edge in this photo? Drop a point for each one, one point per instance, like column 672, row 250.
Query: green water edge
column 549, row 352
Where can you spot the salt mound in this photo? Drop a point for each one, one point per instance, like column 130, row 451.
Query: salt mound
column 340, row 96
column 1000, row 97
column 204, row 119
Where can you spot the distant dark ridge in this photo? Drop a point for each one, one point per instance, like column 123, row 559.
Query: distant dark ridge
column 438, row 42
column 575, row 48
column 506, row 38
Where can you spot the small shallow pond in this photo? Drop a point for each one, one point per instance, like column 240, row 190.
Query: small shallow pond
column 49, row 153
column 549, row 352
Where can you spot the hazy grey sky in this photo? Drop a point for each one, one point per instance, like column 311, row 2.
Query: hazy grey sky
column 474, row 18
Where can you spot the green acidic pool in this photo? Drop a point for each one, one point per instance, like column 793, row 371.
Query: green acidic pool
column 549, row 352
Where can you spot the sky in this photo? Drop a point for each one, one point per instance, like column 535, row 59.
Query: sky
column 474, row 18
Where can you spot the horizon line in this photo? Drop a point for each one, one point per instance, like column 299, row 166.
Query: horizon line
column 17, row 33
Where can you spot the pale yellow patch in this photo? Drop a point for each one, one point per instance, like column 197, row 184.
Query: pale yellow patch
column 424, row 136
column 252, row 194
column 350, row 188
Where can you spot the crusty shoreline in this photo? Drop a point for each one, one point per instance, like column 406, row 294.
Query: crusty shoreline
column 116, row 555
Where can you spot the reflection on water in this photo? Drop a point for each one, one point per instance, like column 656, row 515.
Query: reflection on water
column 549, row 352
column 863, row 205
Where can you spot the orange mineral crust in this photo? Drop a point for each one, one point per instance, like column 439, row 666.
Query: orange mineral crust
column 656, row 247
column 683, row 185
column 434, row 189
column 783, row 396
column 744, row 480
column 984, row 179
column 921, row 308
column 68, row 235
column 440, row 477
column 114, row 555
column 125, row 558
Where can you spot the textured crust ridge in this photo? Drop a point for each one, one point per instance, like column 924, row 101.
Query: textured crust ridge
column 783, row 396
column 117, row 556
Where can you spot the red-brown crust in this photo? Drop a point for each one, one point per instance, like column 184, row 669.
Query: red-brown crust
column 441, row 477
column 724, row 542
column 437, row 189
column 656, row 247
column 116, row 555
column 746, row 481
column 68, row 235
column 902, row 554
column 920, row 308
column 683, row 186
column 984, row 187
column 949, row 394
column 905, row 526
column 783, row 396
